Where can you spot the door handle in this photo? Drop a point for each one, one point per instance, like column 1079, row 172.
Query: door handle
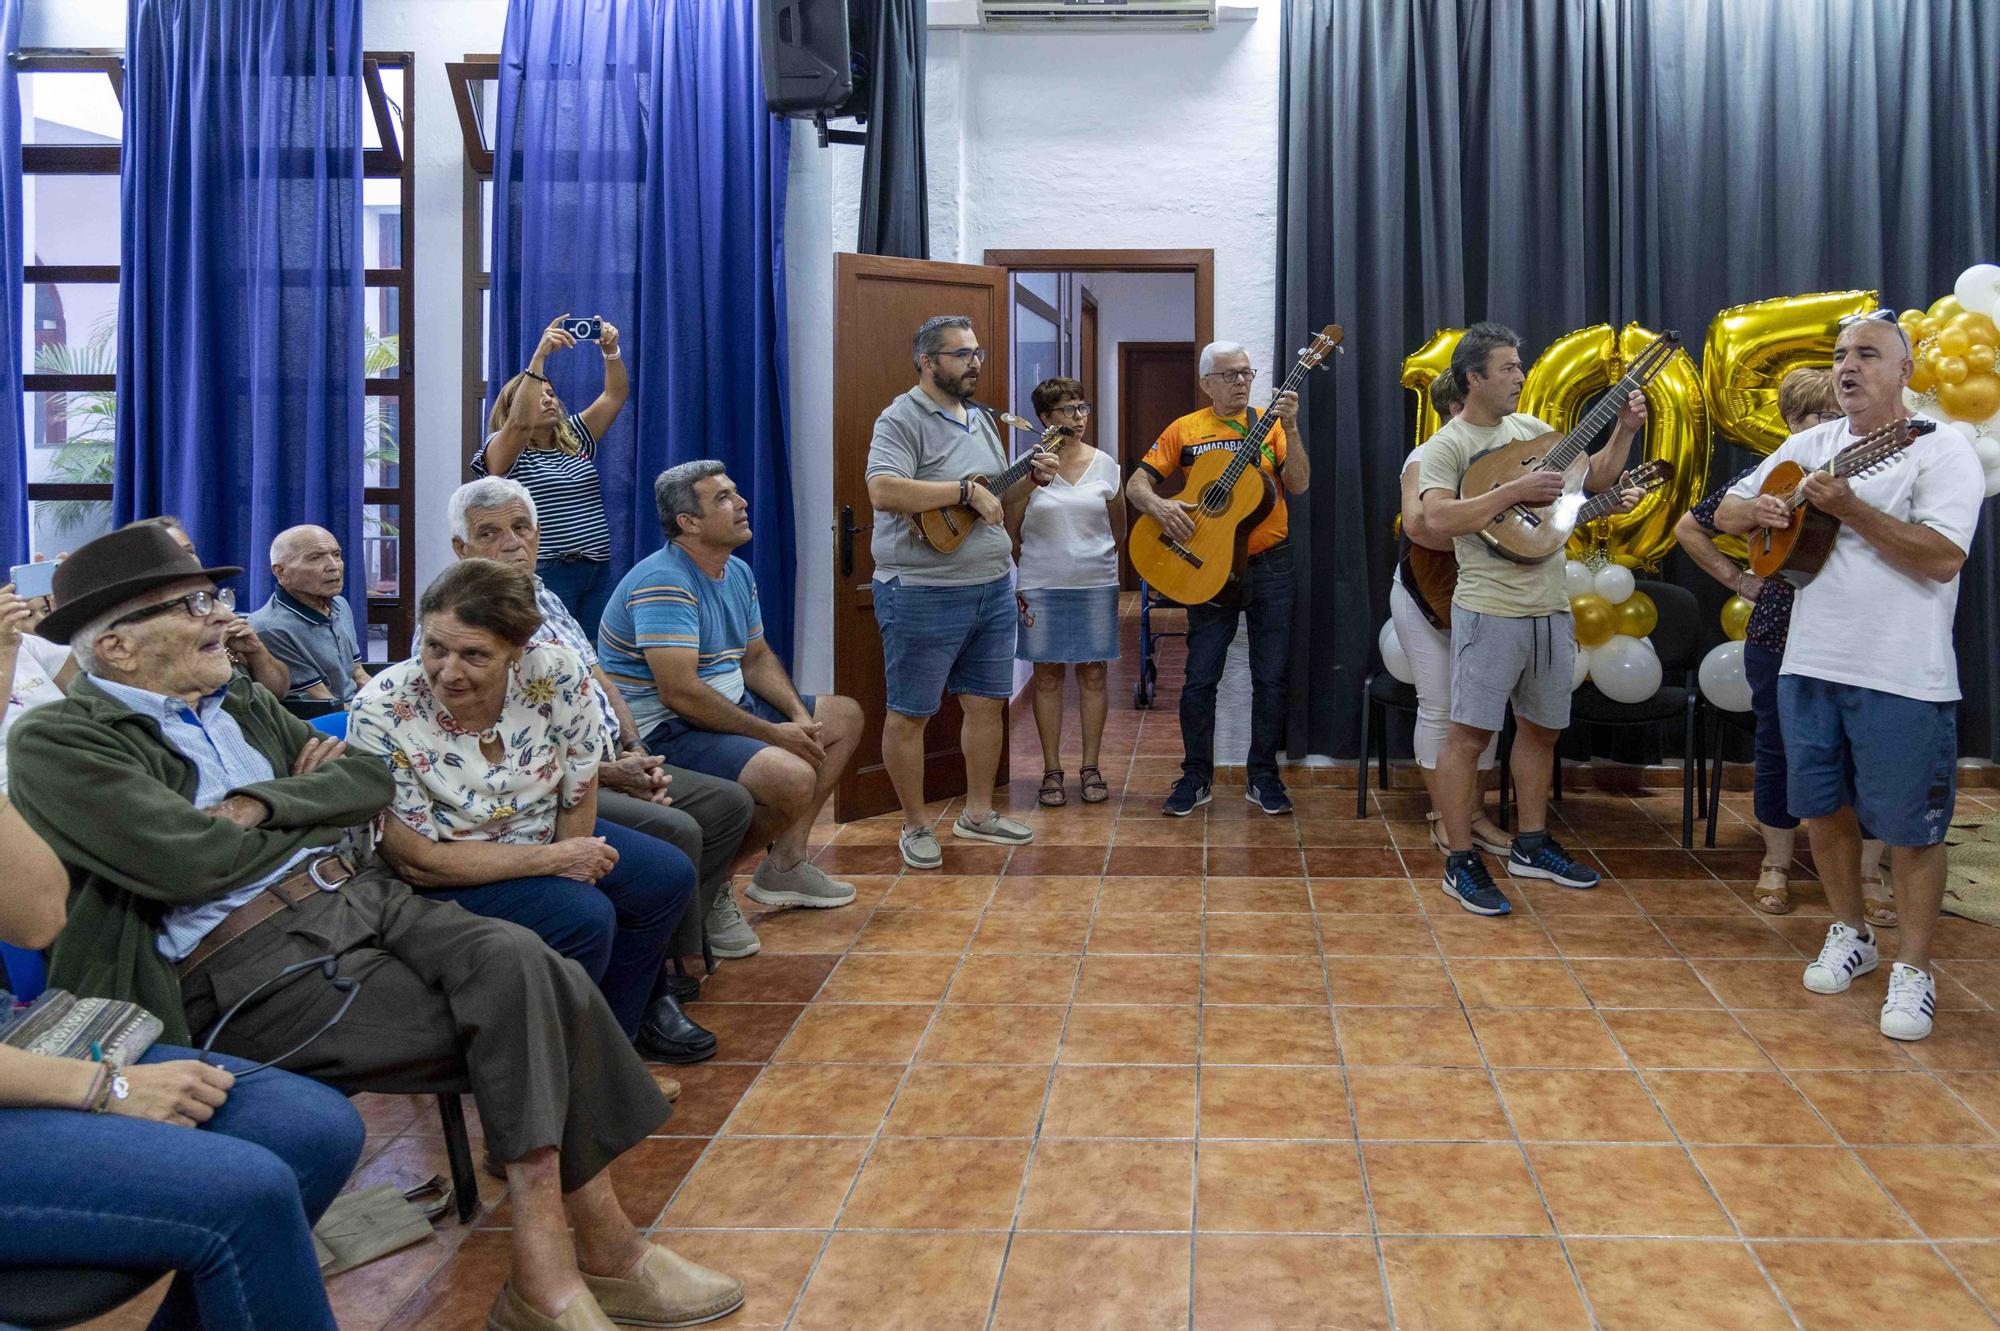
column 847, row 532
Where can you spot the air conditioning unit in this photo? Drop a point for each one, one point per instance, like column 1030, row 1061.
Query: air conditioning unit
column 1097, row 15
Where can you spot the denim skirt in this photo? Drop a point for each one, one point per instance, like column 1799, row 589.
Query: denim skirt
column 1071, row 624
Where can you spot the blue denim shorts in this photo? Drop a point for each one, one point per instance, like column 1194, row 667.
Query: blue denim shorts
column 714, row 752
column 935, row 639
column 1893, row 759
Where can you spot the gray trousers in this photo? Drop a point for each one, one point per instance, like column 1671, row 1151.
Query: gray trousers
column 706, row 823
column 449, row 1001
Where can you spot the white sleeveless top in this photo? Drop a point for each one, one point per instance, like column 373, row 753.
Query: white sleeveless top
column 1066, row 531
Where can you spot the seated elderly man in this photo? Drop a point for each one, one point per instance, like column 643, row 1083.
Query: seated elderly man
column 246, row 650
column 307, row 623
column 684, row 641
column 201, row 825
column 705, row 817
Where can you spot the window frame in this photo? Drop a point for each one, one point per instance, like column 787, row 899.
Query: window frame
column 464, row 76
column 396, row 160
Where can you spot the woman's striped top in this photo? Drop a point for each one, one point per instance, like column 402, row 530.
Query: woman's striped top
column 567, row 498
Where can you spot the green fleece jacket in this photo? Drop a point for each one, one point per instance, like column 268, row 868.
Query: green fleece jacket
column 115, row 802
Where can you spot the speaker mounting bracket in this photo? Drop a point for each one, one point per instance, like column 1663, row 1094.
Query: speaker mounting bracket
column 859, row 138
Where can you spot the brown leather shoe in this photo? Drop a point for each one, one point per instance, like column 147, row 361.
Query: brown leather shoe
column 511, row 1313
column 665, row 1289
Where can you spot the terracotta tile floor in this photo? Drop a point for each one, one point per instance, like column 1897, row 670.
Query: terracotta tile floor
column 1239, row 1072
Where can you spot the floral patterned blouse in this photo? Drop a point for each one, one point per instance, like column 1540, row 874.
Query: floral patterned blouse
column 446, row 789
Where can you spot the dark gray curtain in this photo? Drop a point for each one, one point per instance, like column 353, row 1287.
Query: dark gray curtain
column 893, row 215
column 1572, row 162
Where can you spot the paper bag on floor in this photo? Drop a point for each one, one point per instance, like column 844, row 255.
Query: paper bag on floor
column 365, row 1224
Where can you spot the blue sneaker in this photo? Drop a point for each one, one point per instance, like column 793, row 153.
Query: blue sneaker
column 1189, row 793
column 1467, row 882
column 1270, row 797
column 1548, row 860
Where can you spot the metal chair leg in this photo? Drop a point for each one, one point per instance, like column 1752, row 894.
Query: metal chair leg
column 1715, row 777
column 1367, row 754
column 458, row 1150
column 1689, row 764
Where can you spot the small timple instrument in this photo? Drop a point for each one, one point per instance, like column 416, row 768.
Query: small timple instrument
column 945, row 529
column 1231, row 495
column 1529, row 534
column 1797, row 553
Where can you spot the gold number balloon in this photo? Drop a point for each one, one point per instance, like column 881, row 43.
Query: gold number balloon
column 1751, row 347
column 1421, row 366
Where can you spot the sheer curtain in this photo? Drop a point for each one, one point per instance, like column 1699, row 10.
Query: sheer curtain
column 1562, row 164
column 239, row 340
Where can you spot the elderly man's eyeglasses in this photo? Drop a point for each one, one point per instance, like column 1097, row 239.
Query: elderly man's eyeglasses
column 1076, row 411
column 964, row 355
column 1875, row 316
column 198, row 604
column 1233, row 376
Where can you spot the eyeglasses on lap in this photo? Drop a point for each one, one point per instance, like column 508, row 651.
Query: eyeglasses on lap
column 198, row 604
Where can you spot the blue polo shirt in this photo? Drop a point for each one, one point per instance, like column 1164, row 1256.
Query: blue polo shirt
column 318, row 648
column 668, row 601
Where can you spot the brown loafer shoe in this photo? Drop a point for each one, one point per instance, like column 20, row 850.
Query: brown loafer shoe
column 510, row 1313
column 665, row 1289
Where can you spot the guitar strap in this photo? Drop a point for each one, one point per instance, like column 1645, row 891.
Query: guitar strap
column 1244, row 432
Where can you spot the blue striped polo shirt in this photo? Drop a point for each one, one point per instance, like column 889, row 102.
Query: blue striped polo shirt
column 668, row 601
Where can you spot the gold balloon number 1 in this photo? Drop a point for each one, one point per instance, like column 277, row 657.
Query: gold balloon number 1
column 1749, row 350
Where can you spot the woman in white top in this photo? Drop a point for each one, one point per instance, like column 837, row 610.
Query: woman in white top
column 1066, row 538
column 33, row 670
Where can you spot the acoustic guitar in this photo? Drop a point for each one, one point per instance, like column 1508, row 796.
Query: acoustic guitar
column 1797, row 553
column 1528, row 534
column 1231, row 495
column 945, row 529
column 1432, row 575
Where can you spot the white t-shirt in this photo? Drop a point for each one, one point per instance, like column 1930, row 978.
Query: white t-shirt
column 1066, row 530
column 35, row 671
column 1862, row 621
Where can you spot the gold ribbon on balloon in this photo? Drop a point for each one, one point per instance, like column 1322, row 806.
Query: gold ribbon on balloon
column 1421, row 366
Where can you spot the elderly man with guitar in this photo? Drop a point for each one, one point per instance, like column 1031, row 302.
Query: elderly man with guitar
column 1871, row 517
column 1511, row 634
column 944, row 592
column 1264, row 588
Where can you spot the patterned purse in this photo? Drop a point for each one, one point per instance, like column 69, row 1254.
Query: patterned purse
column 64, row 1026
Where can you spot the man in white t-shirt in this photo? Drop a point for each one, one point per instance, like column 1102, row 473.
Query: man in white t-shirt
column 1868, row 693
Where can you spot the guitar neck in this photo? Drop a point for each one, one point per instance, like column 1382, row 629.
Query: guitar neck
column 1600, row 415
column 1253, row 443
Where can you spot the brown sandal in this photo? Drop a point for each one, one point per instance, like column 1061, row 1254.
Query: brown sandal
column 1052, row 796
column 1774, row 891
column 1878, row 911
column 1094, row 789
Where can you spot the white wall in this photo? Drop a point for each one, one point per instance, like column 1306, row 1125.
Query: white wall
column 89, row 24
column 1134, row 307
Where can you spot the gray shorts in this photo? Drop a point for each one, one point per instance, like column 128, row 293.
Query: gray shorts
column 1530, row 661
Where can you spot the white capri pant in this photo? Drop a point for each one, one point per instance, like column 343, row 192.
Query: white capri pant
column 1429, row 650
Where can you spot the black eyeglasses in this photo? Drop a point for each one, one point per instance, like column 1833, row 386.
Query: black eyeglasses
column 198, row 604
column 329, row 966
column 1875, row 316
column 1234, row 376
column 964, row 355
column 1076, row 411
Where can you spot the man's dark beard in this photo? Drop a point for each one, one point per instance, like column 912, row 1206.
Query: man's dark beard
column 958, row 387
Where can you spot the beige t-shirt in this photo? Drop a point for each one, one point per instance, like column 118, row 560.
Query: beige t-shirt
column 1488, row 584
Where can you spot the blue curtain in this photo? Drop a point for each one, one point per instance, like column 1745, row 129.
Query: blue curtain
column 240, row 334
column 13, row 437
column 638, row 176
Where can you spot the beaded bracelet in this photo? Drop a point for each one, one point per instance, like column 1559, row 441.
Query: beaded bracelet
column 100, row 1090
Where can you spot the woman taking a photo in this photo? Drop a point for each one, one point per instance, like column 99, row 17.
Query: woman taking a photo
column 494, row 740
column 536, row 440
column 1066, row 538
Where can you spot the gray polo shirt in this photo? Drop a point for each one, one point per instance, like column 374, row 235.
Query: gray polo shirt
column 916, row 440
column 319, row 649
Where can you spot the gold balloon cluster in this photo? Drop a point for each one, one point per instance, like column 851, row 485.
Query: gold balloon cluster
column 1955, row 350
column 1598, row 621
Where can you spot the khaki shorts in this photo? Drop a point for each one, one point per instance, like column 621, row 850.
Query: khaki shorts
column 1529, row 662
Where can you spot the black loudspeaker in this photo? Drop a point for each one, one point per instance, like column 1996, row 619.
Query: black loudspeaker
column 816, row 55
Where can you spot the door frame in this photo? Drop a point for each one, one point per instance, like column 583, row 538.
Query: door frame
column 1201, row 263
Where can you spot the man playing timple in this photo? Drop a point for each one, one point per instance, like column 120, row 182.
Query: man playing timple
column 1511, row 634
column 948, row 620
column 1226, row 377
column 683, row 638
column 1868, row 692
column 307, row 623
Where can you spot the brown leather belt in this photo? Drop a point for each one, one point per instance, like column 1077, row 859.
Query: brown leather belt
column 328, row 871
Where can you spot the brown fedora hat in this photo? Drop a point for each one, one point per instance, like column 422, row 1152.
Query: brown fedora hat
column 117, row 567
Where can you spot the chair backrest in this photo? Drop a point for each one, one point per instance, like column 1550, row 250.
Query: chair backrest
column 333, row 723
column 1677, row 637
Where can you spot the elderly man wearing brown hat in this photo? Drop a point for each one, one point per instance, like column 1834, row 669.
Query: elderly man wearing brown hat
column 203, row 828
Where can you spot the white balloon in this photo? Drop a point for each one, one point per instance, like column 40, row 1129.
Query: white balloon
column 1394, row 659
column 1988, row 450
column 1582, row 670
column 1624, row 671
column 1578, row 579
column 1614, row 582
column 1722, row 680
column 1978, row 288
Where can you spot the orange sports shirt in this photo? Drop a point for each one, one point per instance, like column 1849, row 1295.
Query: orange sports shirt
column 1203, row 431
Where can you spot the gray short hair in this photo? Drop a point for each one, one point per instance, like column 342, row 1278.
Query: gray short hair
column 488, row 492
column 929, row 338
column 1214, row 349
column 83, row 643
column 673, row 492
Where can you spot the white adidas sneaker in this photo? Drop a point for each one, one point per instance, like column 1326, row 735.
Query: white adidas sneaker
column 1911, row 1005
column 1844, row 955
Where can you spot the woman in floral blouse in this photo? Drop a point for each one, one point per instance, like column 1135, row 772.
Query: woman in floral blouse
column 494, row 740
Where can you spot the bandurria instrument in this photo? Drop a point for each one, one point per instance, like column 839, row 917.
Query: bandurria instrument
column 1231, row 495
column 1797, row 553
column 1433, row 574
column 1527, row 534
column 945, row 529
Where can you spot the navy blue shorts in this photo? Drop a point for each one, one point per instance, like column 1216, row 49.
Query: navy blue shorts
column 939, row 638
column 715, row 752
column 1893, row 759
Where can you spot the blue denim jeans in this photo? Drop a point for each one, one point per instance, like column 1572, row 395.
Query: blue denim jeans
column 1760, row 667
column 616, row 929
column 584, row 585
column 228, row 1207
column 1267, row 600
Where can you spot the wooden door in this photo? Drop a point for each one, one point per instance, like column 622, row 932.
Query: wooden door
column 877, row 305
column 1157, row 384
column 1086, row 350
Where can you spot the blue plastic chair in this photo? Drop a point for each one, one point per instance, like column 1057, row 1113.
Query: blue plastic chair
column 333, row 723
column 27, row 972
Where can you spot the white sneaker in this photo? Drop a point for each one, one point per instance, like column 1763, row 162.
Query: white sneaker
column 1912, row 1002
column 1845, row 955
